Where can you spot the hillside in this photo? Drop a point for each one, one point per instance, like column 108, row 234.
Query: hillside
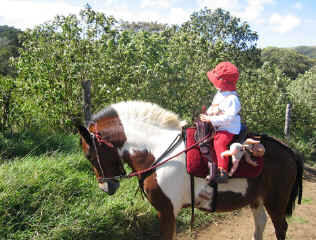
column 309, row 51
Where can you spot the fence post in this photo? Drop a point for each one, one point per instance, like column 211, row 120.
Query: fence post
column 287, row 121
column 86, row 85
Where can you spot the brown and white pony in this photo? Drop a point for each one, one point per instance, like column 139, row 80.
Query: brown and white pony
column 138, row 133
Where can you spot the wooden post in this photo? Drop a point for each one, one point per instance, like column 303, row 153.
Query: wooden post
column 86, row 85
column 287, row 121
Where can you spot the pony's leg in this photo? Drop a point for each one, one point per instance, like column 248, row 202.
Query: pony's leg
column 260, row 220
column 162, row 203
column 279, row 221
column 167, row 225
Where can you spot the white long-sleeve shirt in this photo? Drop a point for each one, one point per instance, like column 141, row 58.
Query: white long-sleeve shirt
column 224, row 112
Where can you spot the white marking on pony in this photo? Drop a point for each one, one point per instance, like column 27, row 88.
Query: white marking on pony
column 171, row 176
column 150, row 113
column 205, row 196
column 260, row 219
column 149, row 124
column 104, row 186
column 236, row 185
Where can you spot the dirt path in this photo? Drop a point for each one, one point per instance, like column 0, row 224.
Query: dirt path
column 302, row 225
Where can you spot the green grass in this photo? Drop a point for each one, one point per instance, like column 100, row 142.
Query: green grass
column 56, row 197
column 307, row 200
column 34, row 142
column 296, row 219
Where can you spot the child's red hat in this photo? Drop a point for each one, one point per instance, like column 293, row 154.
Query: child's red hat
column 224, row 76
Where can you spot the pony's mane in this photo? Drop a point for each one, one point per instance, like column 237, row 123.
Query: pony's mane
column 149, row 113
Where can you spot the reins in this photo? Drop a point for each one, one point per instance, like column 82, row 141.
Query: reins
column 158, row 162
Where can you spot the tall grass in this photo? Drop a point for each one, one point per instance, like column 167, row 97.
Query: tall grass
column 32, row 142
column 56, row 197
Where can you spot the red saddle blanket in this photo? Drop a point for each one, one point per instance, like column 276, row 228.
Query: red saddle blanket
column 197, row 165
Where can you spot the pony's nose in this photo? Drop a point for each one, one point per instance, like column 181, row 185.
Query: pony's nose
column 109, row 186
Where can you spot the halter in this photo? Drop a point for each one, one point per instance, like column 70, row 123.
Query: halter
column 157, row 163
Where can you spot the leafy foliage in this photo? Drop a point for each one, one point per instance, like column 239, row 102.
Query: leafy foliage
column 257, row 88
column 160, row 66
column 9, row 44
column 219, row 27
column 143, row 26
column 10, row 103
column 56, row 58
column 303, row 97
column 158, row 63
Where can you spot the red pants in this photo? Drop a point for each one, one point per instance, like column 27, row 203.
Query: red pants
column 221, row 141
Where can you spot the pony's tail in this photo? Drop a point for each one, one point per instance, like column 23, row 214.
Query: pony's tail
column 297, row 190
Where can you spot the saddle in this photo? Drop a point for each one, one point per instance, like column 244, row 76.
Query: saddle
column 199, row 157
column 203, row 129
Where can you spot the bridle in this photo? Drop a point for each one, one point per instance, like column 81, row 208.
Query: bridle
column 98, row 139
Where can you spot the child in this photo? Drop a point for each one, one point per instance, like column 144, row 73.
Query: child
column 223, row 114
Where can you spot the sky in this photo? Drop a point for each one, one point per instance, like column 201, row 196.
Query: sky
column 279, row 23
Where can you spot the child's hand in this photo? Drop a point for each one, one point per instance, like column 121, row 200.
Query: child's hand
column 205, row 118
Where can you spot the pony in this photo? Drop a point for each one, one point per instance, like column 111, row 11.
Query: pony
column 140, row 133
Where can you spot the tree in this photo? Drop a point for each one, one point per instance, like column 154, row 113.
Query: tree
column 264, row 97
column 142, row 26
column 303, row 96
column 57, row 57
column 239, row 42
column 9, row 44
column 11, row 116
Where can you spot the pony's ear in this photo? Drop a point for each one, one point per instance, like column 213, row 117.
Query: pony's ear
column 84, row 132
